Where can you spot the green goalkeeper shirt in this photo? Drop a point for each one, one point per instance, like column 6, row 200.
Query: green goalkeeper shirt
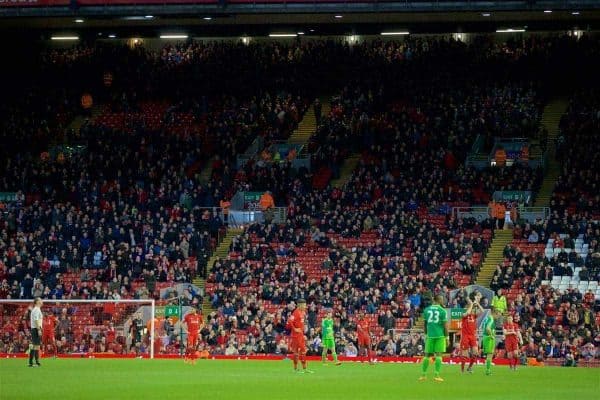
column 491, row 324
column 327, row 329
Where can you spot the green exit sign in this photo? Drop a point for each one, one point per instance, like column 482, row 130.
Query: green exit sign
column 171, row 311
column 8, row 196
column 457, row 313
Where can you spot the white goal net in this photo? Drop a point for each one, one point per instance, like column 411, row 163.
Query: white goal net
column 81, row 327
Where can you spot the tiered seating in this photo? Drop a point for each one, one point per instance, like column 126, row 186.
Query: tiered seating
column 576, row 190
column 321, row 178
column 151, row 116
column 518, row 288
column 564, row 282
column 581, row 248
column 311, row 257
column 143, row 208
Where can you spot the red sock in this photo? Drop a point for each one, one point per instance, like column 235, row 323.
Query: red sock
column 515, row 362
column 295, row 361
column 463, row 360
column 303, row 360
column 472, row 361
column 370, row 355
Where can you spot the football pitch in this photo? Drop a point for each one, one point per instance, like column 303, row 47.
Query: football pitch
column 91, row 379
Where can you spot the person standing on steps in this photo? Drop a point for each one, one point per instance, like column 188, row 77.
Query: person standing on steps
column 317, row 109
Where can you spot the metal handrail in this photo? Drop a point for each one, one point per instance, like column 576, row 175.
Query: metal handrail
column 478, row 211
column 457, row 210
column 239, row 218
column 476, row 144
column 498, row 139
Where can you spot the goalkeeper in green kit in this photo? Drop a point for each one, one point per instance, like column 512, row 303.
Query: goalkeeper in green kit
column 328, row 340
column 489, row 339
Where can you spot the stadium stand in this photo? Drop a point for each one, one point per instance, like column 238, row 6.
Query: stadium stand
column 129, row 216
column 551, row 269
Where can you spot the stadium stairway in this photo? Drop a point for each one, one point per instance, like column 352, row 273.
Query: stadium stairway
column 77, row 122
column 494, row 256
column 419, row 325
column 308, row 125
column 550, row 120
column 346, row 170
column 221, row 251
column 206, row 171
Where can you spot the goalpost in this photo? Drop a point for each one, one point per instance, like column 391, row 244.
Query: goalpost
column 82, row 326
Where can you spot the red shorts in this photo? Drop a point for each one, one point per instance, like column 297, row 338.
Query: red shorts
column 48, row 337
column 364, row 341
column 468, row 342
column 192, row 340
column 298, row 345
column 511, row 345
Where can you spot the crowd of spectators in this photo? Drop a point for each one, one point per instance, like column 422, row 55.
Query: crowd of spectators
column 560, row 322
column 130, row 208
column 391, row 274
column 577, row 188
column 534, row 266
column 339, row 131
column 130, row 200
column 429, row 137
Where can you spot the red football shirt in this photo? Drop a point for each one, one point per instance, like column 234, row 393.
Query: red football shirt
column 468, row 325
column 193, row 322
column 511, row 327
column 362, row 327
column 111, row 334
column 296, row 322
column 49, row 324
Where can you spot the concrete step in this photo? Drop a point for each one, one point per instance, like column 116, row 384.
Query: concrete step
column 307, row 127
column 222, row 251
column 494, row 256
column 346, row 171
column 206, row 171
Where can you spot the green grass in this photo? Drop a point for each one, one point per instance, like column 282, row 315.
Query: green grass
column 89, row 379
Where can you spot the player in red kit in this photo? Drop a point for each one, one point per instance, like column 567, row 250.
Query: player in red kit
column 49, row 332
column 111, row 334
column 194, row 323
column 468, row 334
column 364, row 337
column 295, row 324
column 512, row 340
